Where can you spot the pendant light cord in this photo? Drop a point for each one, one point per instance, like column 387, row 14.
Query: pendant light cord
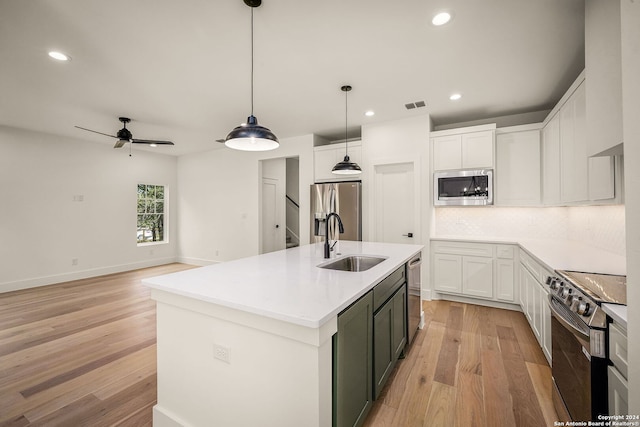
column 252, row 61
column 346, row 113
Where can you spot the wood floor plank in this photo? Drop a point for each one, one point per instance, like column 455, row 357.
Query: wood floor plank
column 469, row 401
column 541, row 378
column 442, row 404
column 498, row 403
column 83, row 354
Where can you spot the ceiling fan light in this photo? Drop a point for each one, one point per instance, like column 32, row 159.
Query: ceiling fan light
column 346, row 167
column 251, row 136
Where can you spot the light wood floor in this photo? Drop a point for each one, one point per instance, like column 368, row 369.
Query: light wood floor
column 469, row 366
column 83, row 353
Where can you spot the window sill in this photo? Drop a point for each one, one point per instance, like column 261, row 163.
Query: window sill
column 164, row 242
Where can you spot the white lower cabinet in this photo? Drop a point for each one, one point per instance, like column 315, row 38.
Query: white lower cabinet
column 478, row 270
column 477, row 276
column 534, row 301
column 617, row 373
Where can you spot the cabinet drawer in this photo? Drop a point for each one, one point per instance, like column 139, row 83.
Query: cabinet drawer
column 618, row 348
column 618, row 393
column 459, row 248
column 385, row 289
column 505, row 251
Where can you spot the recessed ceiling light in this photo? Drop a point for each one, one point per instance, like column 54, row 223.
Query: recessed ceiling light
column 455, row 97
column 441, row 18
column 59, row 56
column 370, row 113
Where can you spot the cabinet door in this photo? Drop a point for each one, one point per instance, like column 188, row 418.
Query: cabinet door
column 601, row 178
column 447, row 152
column 518, row 168
column 324, row 159
column 390, row 337
column 477, row 150
column 618, row 393
column 447, row 273
column 536, row 307
column 399, row 322
column 574, row 174
column 522, row 291
column 382, row 346
column 551, row 162
column 477, row 276
column 505, row 278
column 352, row 364
column 546, row 325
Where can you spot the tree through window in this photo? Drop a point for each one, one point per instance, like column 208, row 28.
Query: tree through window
column 150, row 213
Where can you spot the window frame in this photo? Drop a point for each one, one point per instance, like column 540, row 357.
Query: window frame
column 164, row 213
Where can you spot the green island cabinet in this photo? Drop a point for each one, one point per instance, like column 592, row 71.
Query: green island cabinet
column 372, row 334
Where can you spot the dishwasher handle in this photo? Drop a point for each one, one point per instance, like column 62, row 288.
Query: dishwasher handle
column 415, row 263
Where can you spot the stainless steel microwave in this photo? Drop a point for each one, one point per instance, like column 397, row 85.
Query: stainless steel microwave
column 463, row 188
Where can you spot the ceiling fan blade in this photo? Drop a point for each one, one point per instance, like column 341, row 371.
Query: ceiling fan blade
column 120, row 143
column 95, row 131
column 151, row 141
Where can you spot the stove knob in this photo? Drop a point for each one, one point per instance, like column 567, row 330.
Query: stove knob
column 553, row 283
column 571, row 299
column 564, row 292
column 583, row 309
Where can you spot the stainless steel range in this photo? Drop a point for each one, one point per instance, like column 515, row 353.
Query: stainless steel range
column 579, row 340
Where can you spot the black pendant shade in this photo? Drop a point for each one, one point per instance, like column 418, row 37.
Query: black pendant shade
column 251, row 136
column 346, row 166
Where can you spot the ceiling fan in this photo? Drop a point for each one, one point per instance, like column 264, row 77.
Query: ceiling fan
column 124, row 136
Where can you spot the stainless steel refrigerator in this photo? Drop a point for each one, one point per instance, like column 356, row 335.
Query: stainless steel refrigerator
column 344, row 198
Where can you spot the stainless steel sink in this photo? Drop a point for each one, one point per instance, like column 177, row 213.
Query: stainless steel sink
column 353, row 263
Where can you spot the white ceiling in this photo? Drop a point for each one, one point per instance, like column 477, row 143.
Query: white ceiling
column 181, row 69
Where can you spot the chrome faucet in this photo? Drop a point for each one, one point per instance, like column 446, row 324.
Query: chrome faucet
column 327, row 248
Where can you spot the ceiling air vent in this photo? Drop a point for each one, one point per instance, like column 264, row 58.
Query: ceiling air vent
column 417, row 104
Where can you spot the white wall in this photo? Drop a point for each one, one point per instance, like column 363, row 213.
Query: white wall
column 218, row 201
column 42, row 228
column 630, row 14
column 600, row 226
column 399, row 141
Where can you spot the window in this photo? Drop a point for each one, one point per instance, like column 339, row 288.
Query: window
column 151, row 213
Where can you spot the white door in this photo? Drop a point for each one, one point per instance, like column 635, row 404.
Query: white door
column 273, row 222
column 394, row 215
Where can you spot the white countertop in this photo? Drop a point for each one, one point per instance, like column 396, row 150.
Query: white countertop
column 617, row 312
column 287, row 285
column 560, row 254
column 566, row 255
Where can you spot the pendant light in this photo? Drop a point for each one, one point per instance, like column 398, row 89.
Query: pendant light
column 346, row 167
column 250, row 136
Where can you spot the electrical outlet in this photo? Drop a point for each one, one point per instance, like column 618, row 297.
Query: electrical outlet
column 221, row 353
column 74, row 261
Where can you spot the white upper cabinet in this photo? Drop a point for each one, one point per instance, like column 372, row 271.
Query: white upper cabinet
column 325, row 158
column 569, row 175
column 463, row 148
column 603, row 62
column 517, row 166
column 551, row 161
column 574, row 170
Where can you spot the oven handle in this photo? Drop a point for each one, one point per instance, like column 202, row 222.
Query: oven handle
column 560, row 317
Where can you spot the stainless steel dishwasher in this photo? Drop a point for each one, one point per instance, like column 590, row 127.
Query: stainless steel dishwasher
column 414, row 300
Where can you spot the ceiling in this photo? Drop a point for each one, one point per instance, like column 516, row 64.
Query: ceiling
column 181, row 69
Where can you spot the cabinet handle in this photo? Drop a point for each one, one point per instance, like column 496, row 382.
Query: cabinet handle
column 408, row 235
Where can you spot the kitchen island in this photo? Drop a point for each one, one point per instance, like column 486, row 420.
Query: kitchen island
column 249, row 342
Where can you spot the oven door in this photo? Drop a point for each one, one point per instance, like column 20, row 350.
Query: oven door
column 577, row 374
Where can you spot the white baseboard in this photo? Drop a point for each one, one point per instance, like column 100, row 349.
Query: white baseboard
column 82, row 274
column 476, row 301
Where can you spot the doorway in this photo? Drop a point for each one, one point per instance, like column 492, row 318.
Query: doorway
column 280, row 204
column 395, row 206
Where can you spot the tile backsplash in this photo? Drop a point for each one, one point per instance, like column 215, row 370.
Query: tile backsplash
column 599, row 226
